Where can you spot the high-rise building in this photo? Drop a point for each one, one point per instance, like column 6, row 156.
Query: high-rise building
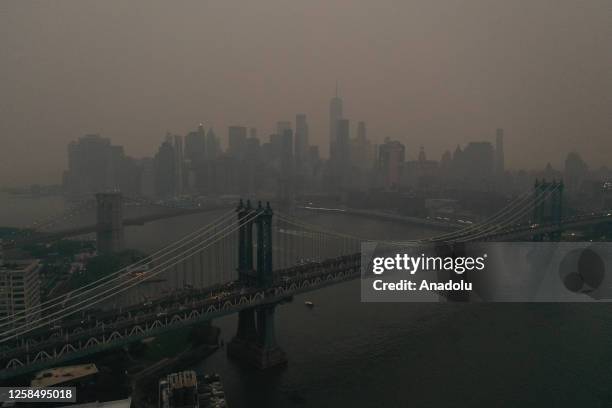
column 286, row 179
column 95, row 165
column 237, row 141
column 88, row 165
column 361, row 131
column 282, row 146
column 178, row 164
column 286, row 150
column 363, row 153
column 478, row 165
column 575, row 172
column 165, row 173
column 391, row 156
column 282, row 126
column 446, row 163
column 20, row 290
column 499, row 153
column 301, row 140
column 253, row 149
column 147, row 179
column 335, row 114
column 116, row 159
column 195, row 145
column 419, row 173
column 313, row 155
column 275, row 147
column 340, row 159
column 213, row 147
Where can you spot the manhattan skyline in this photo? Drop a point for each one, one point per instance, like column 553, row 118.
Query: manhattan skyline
column 432, row 75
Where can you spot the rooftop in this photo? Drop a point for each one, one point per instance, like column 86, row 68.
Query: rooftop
column 59, row 375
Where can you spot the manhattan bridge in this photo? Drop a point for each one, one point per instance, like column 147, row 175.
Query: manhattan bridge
column 247, row 261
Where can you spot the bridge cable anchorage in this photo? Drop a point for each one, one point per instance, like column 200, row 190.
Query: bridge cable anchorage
column 517, row 217
column 57, row 301
column 123, row 286
column 115, row 290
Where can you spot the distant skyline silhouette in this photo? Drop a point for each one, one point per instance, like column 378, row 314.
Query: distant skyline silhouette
column 431, row 74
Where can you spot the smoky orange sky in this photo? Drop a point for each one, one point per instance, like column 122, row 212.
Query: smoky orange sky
column 433, row 73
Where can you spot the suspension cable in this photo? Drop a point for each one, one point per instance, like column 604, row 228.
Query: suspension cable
column 542, row 198
column 122, row 287
column 57, row 301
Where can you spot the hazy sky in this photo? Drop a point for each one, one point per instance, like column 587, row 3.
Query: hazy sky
column 428, row 72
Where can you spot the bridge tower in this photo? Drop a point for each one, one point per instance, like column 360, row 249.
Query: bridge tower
column 255, row 340
column 109, row 231
column 548, row 207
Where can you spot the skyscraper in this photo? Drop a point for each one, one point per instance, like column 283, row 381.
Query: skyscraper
column 286, row 150
column 478, row 165
column 165, row 179
column 301, row 140
column 391, row 155
column 237, row 141
column 178, row 164
column 363, row 153
column 499, row 152
column 286, row 187
column 213, row 148
column 340, row 161
column 361, row 131
column 575, row 172
column 335, row 114
column 195, row 145
column 89, row 165
column 95, row 165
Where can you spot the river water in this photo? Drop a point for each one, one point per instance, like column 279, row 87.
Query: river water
column 344, row 353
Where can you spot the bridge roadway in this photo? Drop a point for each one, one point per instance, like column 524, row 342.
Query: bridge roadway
column 94, row 333
column 518, row 231
column 127, row 222
column 385, row 216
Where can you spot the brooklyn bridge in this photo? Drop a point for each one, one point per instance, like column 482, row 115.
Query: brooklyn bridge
column 248, row 261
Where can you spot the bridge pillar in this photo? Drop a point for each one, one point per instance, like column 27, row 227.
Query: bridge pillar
column 255, row 341
column 246, row 273
column 269, row 354
column 109, row 231
column 548, row 207
column 247, row 330
column 264, row 246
